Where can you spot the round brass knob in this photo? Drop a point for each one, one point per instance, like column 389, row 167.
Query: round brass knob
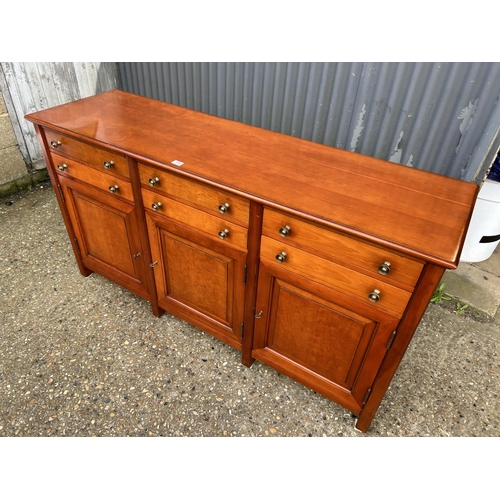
column 385, row 268
column 285, row 231
column 223, row 234
column 55, row 144
column 154, row 181
column 374, row 296
column 156, row 206
column 224, row 208
column 281, row 257
column 108, row 164
column 62, row 167
column 113, row 189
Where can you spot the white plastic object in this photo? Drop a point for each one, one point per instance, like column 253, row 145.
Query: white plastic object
column 484, row 224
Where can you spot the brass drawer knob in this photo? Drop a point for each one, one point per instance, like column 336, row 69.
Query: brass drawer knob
column 113, row 189
column 223, row 234
column 281, row 257
column 385, row 268
column 55, row 144
column 224, row 208
column 108, row 164
column 156, row 206
column 62, row 167
column 374, row 296
column 154, row 181
column 285, row 231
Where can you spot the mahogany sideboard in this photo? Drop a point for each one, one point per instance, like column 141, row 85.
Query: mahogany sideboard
column 316, row 261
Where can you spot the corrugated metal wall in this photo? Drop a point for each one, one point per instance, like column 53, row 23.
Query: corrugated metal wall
column 32, row 86
column 441, row 117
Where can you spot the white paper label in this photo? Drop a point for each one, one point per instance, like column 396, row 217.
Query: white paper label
column 178, row 163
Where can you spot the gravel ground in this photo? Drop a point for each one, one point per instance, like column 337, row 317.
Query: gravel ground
column 84, row 357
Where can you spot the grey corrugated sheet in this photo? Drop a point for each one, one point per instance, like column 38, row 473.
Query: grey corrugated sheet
column 440, row 117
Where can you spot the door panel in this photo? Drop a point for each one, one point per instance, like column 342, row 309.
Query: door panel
column 106, row 231
column 312, row 334
column 199, row 278
column 334, row 345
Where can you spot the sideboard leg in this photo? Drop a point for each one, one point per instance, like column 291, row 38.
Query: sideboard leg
column 429, row 279
column 356, row 426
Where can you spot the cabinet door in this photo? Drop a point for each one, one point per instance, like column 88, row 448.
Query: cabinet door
column 199, row 278
column 318, row 336
column 106, row 231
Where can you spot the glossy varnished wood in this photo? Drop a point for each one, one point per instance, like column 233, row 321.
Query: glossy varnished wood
column 310, row 333
column 345, row 250
column 92, row 155
column 105, row 229
column 185, row 214
column 60, row 199
column 196, row 193
column 316, row 181
column 429, row 280
column 199, row 279
column 352, row 283
column 309, row 317
column 71, row 168
column 252, row 270
column 142, row 231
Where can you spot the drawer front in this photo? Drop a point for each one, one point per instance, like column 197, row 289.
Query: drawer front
column 232, row 206
column 341, row 247
column 189, row 216
column 98, row 158
column 386, row 297
column 108, row 182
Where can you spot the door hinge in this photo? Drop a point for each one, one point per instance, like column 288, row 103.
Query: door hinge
column 367, row 395
column 245, row 275
column 241, row 329
column 77, row 245
column 391, row 339
column 61, row 193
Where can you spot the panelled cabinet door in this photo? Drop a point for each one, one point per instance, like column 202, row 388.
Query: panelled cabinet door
column 198, row 278
column 105, row 229
column 312, row 334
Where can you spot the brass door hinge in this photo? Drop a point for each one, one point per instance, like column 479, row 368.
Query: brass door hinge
column 391, row 340
column 242, row 329
column 77, row 245
column 61, row 193
column 245, row 275
column 367, row 395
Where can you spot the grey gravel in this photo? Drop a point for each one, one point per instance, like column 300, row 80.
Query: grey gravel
column 84, row 357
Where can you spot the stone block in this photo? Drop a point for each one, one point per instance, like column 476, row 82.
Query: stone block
column 3, row 108
column 7, row 136
column 12, row 165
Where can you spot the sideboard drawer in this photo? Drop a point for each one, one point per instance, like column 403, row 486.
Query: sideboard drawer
column 225, row 204
column 98, row 158
column 108, row 182
column 299, row 232
column 189, row 216
column 357, row 285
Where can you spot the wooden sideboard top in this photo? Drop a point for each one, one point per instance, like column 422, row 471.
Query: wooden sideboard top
column 419, row 212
